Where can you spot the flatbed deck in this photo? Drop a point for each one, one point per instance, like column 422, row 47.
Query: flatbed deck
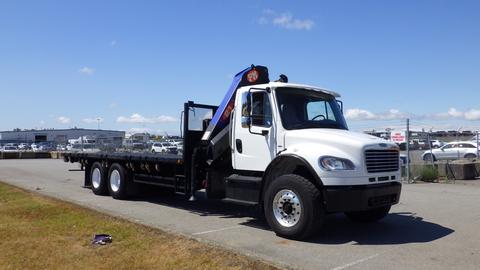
column 127, row 156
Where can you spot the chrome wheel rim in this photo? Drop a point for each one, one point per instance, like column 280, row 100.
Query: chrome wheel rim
column 96, row 178
column 287, row 208
column 115, row 180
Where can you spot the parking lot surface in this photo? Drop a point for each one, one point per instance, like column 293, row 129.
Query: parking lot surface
column 435, row 226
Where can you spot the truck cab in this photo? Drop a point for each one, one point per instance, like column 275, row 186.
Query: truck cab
column 291, row 153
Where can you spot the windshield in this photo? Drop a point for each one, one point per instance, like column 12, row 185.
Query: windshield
column 302, row 108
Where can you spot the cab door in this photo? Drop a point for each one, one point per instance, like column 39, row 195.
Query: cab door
column 253, row 138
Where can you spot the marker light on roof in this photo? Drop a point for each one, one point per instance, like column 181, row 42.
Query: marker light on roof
column 252, row 76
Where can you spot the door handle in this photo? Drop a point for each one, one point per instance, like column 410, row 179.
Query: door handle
column 238, row 145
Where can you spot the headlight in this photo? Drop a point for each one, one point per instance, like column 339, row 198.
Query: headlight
column 335, row 164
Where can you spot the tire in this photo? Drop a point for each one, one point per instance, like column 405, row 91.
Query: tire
column 153, row 151
column 372, row 215
column 98, row 179
column 470, row 156
column 303, row 198
column 118, row 181
column 428, row 157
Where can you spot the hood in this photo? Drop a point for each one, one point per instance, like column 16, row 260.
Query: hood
column 339, row 138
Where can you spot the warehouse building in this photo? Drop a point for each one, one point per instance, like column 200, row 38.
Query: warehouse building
column 61, row 136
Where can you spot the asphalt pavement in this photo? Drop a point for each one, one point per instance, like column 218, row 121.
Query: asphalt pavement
column 435, row 226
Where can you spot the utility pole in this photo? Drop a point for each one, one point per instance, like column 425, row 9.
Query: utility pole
column 407, row 144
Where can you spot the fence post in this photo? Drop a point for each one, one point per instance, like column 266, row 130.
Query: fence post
column 407, row 144
column 477, row 144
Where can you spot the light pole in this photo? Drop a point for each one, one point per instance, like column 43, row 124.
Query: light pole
column 98, row 122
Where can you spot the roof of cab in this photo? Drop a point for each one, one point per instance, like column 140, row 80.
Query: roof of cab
column 294, row 85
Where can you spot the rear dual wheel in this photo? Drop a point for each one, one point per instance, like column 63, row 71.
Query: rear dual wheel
column 113, row 182
column 118, row 180
column 98, row 179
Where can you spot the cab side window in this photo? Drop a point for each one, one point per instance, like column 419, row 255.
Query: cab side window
column 261, row 110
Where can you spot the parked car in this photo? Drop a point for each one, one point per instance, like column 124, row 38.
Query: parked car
column 86, row 147
column 24, row 146
column 453, row 150
column 9, row 148
column 138, row 146
column 413, row 145
column 12, row 144
column 164, row 147
column 46, row 146
column 61, row 147
column 180, row 148
column 437, row 143
column 423, row 144
column 35, row 147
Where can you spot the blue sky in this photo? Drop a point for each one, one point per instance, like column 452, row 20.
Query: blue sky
column 134, row 63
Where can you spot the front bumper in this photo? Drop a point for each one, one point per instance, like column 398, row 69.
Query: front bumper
column 361, row 198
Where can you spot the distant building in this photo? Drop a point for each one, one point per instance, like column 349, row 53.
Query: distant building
column 61, row 135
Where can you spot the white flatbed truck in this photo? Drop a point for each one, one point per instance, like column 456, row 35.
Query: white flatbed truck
column 282, row 147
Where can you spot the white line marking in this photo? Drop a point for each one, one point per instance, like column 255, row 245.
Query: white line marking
column 218, row 230
column 355, row 262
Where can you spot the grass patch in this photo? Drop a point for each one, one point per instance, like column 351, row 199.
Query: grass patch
column 429, row 173
column 42, row 233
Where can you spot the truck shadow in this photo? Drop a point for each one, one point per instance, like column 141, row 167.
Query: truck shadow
column 201, row 206
column 397, row 228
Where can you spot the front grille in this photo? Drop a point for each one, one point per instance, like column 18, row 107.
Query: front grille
column 382, row 160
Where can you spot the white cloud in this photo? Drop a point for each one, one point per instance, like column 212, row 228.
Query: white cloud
column 472, row 114
column 394, row 114
column 113, row 43
column 86, row 70
column 360, row 114
column 93, row 120
column 138, row 130
column 452, row 112
column 285, row 20
column 112, row 105
column 140, row 119
column 63, row 120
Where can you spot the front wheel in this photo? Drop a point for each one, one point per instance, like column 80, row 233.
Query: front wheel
column 369, row 215
column 293, row 207
column 429, row 157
